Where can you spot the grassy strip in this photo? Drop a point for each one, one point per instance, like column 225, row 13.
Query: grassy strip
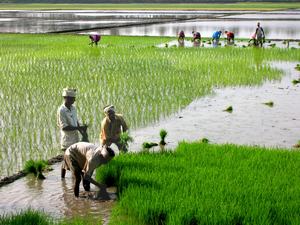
column 206, row 184
column 262, row 6
column 32, row 217
column 128, row 72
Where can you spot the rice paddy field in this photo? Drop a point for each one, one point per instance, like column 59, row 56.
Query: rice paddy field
column 144, row 82
column 206, row 184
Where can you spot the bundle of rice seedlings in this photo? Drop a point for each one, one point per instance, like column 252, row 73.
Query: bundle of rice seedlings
column 163, row 133
column 124, row 139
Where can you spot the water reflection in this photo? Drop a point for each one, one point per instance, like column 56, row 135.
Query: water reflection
column 275, row 29
column 53, row 196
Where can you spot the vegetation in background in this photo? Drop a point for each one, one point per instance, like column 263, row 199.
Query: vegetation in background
column 160, row 5
column 206, row 184
column 122, row 70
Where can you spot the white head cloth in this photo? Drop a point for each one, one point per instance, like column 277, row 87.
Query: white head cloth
column 69, row 92
column 109, row 108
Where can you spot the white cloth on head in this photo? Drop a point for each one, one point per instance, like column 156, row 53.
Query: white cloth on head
column 69, row 92
column 109, row 108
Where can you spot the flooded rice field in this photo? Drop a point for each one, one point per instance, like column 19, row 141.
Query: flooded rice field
column 55, row 197
column 277, row 24
column 250, row 123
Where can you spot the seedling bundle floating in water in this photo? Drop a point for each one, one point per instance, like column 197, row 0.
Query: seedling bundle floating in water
column 36, row 167
column 229, row 109
column 270, row 103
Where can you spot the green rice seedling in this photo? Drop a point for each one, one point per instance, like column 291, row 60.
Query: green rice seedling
column 272, row 45
column 296, row 81
column 166, row 45
column 297, row 67
column 124, row 139
column 148, row 145
column 36, row 167
column 228, row 109
column 26, row 217
column 163, row 133
column 30, row 167
column 208, row 42
column 204, row 140
column 207, row 183
column 270, row 103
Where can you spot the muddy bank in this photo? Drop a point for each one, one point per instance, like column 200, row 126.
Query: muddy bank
column 250, row 123
column 20, row 174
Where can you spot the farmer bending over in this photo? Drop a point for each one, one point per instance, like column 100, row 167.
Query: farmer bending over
column 181, row 37
column 196, row 36
column 260, row 35
column 68, row 123
column 216, row 36
column 82, row 159
column 230, row 36
column 95, row 38
column 111, row 127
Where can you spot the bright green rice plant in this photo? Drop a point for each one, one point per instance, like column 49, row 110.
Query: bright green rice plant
column 125, row 138
column 36, row 167
column 163, row 133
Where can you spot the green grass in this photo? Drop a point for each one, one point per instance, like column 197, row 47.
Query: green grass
column 33, row 217
column 128, row 72
column 263, row 6
column 206, row 184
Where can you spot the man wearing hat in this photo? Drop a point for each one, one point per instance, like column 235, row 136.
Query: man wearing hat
column 83, row 158
column 68, row 123
column 111, row 127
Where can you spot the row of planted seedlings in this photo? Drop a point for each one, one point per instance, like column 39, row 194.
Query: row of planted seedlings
column 143, row 82
column 202, row 183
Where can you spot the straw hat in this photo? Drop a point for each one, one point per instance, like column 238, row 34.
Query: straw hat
column 69, row 92
column 109, row 108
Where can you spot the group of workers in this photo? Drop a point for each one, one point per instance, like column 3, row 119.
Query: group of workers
column 82, row 158
column 257, row 38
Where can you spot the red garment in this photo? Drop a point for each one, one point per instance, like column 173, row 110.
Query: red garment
column 230, row 35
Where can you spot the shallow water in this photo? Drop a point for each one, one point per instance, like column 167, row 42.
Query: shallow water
column 53, row 196
column 277, row 24
column 250, row 123
column 274, row 29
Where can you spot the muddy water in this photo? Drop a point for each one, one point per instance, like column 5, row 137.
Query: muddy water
column 55, row 197
column 250, row 123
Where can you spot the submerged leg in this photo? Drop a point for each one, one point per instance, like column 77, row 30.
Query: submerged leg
column 77, row 182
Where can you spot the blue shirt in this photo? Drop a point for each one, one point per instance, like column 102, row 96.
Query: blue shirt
column 216, row 34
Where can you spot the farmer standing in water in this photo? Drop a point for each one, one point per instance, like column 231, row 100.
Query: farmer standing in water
column 82, row 159
column 68, row 123
column 111, row 127
column 260, row 35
